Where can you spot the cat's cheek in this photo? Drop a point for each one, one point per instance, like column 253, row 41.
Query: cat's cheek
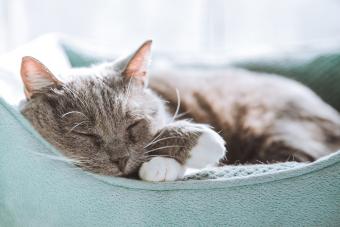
column 161, row 169
column 209, row 150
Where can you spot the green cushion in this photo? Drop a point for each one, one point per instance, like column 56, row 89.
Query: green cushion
column 38, row 188
column 320, row 72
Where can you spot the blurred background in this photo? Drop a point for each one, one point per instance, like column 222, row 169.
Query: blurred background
column 299, row 39
column 198, row 28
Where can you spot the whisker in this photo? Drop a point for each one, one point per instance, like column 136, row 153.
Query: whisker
column 73, row 112
column 154, row 139
column 174, row 117
column 74, row 93
column 166, row 156
column 178, row 104
column 53, row 157
column 160, row 148
column 74, row 160
column 76, row 126
column 170, row 137
column 181, row 114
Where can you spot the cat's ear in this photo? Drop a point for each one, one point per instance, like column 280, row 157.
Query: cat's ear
column 137, row 65
column 36, row 76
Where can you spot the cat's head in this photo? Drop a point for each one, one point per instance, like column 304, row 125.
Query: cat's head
column 104, row 120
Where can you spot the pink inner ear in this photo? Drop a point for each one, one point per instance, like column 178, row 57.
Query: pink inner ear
column 35, row 75
column 138, row 64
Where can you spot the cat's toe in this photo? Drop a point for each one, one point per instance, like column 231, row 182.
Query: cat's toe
column 161, row 169
column 210, row 148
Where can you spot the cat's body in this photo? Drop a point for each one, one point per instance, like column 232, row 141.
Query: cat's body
column 262, row 117
column 110, row 123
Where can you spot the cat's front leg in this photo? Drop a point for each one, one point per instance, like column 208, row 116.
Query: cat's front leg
column 208, row 150
column 180, row 145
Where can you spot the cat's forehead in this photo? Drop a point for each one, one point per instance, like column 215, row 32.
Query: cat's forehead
column 102, row 92
column 97, row 85
column 98, row 95
column 95, row 80
column 95, row 90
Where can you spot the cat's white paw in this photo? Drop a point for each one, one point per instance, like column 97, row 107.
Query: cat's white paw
column 161, row 169
column 208, row 150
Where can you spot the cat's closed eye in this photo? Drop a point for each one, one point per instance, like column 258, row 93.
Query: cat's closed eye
column 83, row 130
column 91, row 136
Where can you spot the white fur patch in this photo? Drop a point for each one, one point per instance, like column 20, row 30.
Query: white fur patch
column 208, row 150
column 161, row 169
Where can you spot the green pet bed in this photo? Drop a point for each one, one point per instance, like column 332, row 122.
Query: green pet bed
column 39, row 188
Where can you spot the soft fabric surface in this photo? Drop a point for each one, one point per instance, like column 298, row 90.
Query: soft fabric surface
column 38, row 189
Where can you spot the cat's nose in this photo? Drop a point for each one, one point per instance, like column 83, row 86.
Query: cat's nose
column 120, row 163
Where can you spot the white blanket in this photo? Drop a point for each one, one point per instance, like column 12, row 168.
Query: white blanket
column 45, row 48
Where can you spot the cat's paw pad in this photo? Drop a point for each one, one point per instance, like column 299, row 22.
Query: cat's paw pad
column 208, row 150
column 161, row 169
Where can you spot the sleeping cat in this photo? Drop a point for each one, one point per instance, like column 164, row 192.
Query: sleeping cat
column 108, row 120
